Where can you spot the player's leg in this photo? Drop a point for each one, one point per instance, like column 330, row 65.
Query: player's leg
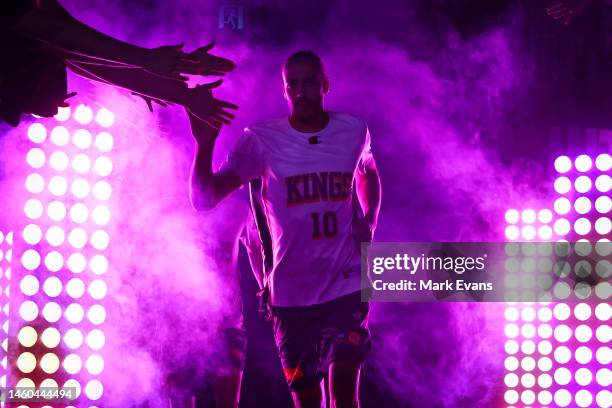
column 345, row 346
column 228, row 377
column 227, row 389
column 309, row 397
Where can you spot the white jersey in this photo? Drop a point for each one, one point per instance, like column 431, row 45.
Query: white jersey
column 307, row 196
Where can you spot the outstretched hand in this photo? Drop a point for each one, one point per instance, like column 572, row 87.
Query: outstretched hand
column 204, row 106
column 170, row 61
column 211, row 64
column 566, row 9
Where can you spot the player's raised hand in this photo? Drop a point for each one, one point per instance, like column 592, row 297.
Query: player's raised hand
column 211, row 64
column 170, row 61
column 202, row 104
column 566, row 9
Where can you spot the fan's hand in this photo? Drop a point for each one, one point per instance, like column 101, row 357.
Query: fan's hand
column 211, row 64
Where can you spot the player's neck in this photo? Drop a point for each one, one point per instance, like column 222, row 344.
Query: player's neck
column 314, row 123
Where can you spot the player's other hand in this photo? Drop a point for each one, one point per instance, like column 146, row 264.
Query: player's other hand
column 362, row 232
column 202, row 104
column 566, row 10
column 170, row 61
column 211, row 64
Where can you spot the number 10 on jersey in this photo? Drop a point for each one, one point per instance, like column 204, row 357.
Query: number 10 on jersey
column 325, row 226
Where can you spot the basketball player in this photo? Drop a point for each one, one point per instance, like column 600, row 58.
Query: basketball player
column 308, row 163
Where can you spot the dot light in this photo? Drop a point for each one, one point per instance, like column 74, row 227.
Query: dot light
column 83, row 114
column 583, row 163
column 81, row 139
column 60, row 136
column 37, row 132
column 105, row 118
column 34, row 183
column 563, row 164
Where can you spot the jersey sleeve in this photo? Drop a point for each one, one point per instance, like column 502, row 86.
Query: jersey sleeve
column 245, row 157
column 366, row 158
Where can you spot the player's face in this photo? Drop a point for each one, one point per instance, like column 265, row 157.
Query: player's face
column 305, row 87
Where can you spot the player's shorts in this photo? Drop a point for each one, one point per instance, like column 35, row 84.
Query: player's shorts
column 234, row 340
column 310, row 338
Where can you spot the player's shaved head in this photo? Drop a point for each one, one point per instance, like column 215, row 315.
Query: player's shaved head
column 306, row 56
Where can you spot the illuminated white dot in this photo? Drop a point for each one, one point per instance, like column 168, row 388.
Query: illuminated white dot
column 100, row 240
column 544, row 364
column 603, row 162
column 33, row 209
column 583, row 333
column 603, row 247
column 603, row 268
column 603, row 204
column 63, row 114
column 81, row 163
column 105, row 118
column 512, row 232
column 528, row 216
column 79, row 188
column 583, row 163
column 77, row 238
column 72, row 363
column 562, row 185
column 511, row 347
column 35, row 183
column 545, row 380
column 28, row 310
column 582, row 205
column 101, row 215
column 603, row 225
column 83, row 114
column 562, row 227
column 25, row 383
column 98, row 264
column 511, row 314
column 583, row 376
column 563, row 376
column 562, row 206
column 94, row 364
column 96, row 339
column 27, row 336
column 544, row 314
column 545, row 216
column 528, row 363
column 49, row 363
column 604, row 377
column 545, row 397
column 76, row 263
column 73, row 338
column 511, row 396
column 35, row 158
column 60, row 136
column 30, row 259
column 94, row 390
column 583, row 355
column 562, row 333
column 29, row 285
column 56, row 210
column 79, row 213
column 74, row 385
column 52, row 312
column 74, row 313
column 97, row 289
column 58, row 161
column 562, row 354
column 58, row 186
column 75, row 288
column 604, row 333
column 528, row 396
column 582, row 311
column 583, row 247
column 563, row 164
column 582, row 226
column 603, row 311
column 104, row 142
column 52, row 286
column 604, row 399
column 562, row 311
column 55, row 236
column 81, row 139
column 583, row 398
column 511, row 380
column 544, row 331
column 603, row 183
column 32, row 234
column 26, row 362
column 583, row 184
column 37, row 132
column 102, row 190
column 545, row 232
column 96, row 314
column 512, row 216
column 512, row 330
column 50, row 337
column 103, row 166
column 528, row 347
column 528, row 232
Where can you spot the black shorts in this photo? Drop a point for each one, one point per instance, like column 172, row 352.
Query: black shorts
column 309, row 338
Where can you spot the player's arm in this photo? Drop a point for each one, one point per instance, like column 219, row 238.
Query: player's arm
column 207, row 188
column 369, row 192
